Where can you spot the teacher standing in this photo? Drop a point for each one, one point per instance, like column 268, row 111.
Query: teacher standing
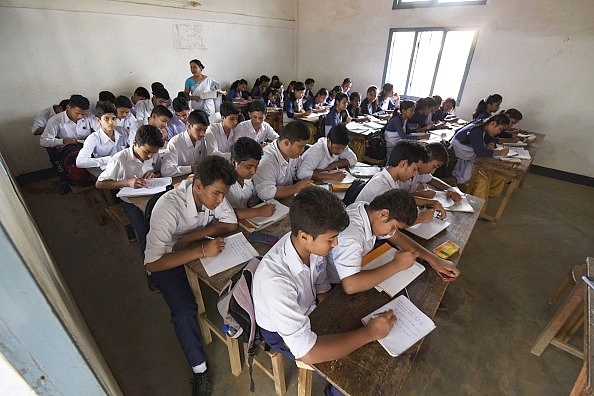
column 202, row 89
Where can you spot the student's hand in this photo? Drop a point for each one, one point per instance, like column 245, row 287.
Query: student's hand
column 379, row 326
column 336, row 176
column 446, row 269
column 442, row 213
column 403, row 259
column 137, row 182
column 214, row 247
column 426, row 193
column 69, row 141
column 308, row 112
column 300, row 185
column 266, row 210
column 149, row 175
column 424, row 136
column 501, row 152
column 453, row 195
column 426, row 216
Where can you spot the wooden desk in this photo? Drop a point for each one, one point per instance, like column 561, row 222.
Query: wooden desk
column 370, row 370
column 514, row 173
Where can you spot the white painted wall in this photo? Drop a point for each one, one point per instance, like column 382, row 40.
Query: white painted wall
column 536, row 53
column 53, row 48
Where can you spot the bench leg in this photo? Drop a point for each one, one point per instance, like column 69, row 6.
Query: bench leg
column 234, row 356
column 278, row 373
column 195, row 286
column 91, row 201
column 305, row 379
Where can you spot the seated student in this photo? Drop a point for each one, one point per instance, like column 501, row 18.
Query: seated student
column 274, row 79
column 316, row 103
column 188, row 148
column 68, row 127
column 436, row 105
column 256, row 127
column 178, row 123
column 291, row 279
column 280, row 93
column 396, row 127
column 130, row 168
column 328, row 154
column 382, row 218
column 369, row 104
column 402, row 165
column 332, row 95
column 468, row 143
column 144, row 108
column 270, row 97
column 101, row 145
column 487, row 106
column 447, row 109
column 182, row 223
column 238, row 91
column 220, row 136
column 159, row 117
column 41, row 118
column 338, row 113
column 294, row 104
column 346, row 86
column 278, row 168
column 125, row 120
column 508, row 135
column 418, row 122
column 140, row 93
column 309, row 84
column 245, row 157
column 388, row 99
column 290, row 88
column 354, row 108
column 260, row 87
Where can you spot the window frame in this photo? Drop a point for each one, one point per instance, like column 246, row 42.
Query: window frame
column 417, row 30
column 399, row 5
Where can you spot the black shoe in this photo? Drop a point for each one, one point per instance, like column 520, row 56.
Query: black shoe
column 151, row 284
column 443, row 307
column 64, row 189
column 200, row 384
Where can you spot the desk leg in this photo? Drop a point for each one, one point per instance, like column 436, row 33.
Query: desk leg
column 93, row 205
column 195, row 286
column 510, row 189
column 580, row 383
column 304, row 382
column 234, row 356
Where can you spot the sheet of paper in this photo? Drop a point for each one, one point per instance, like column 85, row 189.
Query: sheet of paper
column 522, row 153
column 356, row 126
column 411, row 325
column 373, row 125
column 237, row 250
column 154, row 186
column 280, row 212
column 450, row 205
column 363, row 170
column 428, row 230
column 516, row 144
column 208, row 95
column 347, row 179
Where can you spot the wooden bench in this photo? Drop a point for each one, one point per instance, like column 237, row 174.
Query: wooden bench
column 121, row 221
column 93, row 199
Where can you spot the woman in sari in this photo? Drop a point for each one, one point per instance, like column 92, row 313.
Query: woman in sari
column 202, row 89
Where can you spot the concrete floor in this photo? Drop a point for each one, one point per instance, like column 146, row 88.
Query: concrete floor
column 496, row 309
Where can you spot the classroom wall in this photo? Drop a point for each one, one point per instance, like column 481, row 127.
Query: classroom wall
column 54, row 48
column 536, row 53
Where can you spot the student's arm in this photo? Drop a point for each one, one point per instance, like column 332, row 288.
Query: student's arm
column 117, row 184
column 265, row 210
column 49, row 136
column 434, row 204
column 212, row 230
column 442, row 266
column 171, row 166
column 265, row 182
column 39, row 122
column 478, row 145
column 450, row 192
column 177, row 258
column 85, row 159
column 212, row 146
column 287, row 191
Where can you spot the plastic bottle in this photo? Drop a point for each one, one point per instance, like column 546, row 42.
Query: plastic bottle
column 230, row 331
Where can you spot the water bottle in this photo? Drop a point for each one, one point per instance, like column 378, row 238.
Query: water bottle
column 230, row 331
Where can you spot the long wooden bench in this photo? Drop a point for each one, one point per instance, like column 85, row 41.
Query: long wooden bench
column 121, row 221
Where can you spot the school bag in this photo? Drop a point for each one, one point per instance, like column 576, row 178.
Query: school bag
column 353, row 191
column 236, row 307
column 67, row 163
column 375, row 145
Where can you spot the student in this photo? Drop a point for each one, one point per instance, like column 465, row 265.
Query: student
column 382, row 218
column 332, row 95
column 245, row 157
column 274, row 79
column 418, row 122
column 182, row 224
column 270, row 97
column 41, row 118
column 403, row 164
column 125, row 120
column 354, row 108
column 369, row 104
column 396, row 127
column 178, row 123
column 238, row 91
column 309, row 84
column 220, row 136
column 145, row 107
column 278, row 168
column 188, row 148
column 140, row 93
column 280, row 94
column 130, row 168
column 346, row 86
column 508, row 135
column 338, row 113
column 388, row 99
column 294, row 104
column 316, row 103
column 101, row 145
column 468, row 143
column 159, row 117
column 256, row 127
column 260, row 87
column 331, row 153
column 291, row 279
column 447, row 109
column 487, row 106
column 68, row 127
column 436, row 104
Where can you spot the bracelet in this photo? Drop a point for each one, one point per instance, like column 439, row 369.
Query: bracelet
column 203, row 254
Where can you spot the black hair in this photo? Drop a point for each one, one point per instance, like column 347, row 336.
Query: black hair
column 276, row 84
column 299, row 86
column 340, row 96
column 197, row 62
column 513, row 113
column 451, row 100
column 213, row 168
column 180, row 104
column 228, row 108
column 322, row 91
column 183, row 94
column 335, row 90
column 246, row 148
column 123, row 101
column 437, row 99
column 142, row 92
column 339, row 134
column 438, row 152
column 498, row 119
column 346, row 81
column 355, row 95
column 388, row 87
column 481, row 107
column 104, row 108
column 430, row 102
column 151, row 135
column 257, row 105
column 198, row 117
column 399, row 203
column 106, row 96
column 260, row 80
column 161, row 111
column 78, row 101
column 161, row 93
column 409, row 151
column 155, row 86
column 316, row 211
column 274, row 78
column 309, row 81
column 421, row 104
column 63, row 103
column 295, row 131
column 236, row 83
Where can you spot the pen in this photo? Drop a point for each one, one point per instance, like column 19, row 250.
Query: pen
column 209, row 237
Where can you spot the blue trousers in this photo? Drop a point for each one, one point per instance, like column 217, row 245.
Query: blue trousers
column 136, row 217
column 176, row 291
column 52, row 153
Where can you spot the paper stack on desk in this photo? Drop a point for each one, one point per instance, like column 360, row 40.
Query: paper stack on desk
column 257, row 223
column 448, row 204
column 428, row 230
column 237, row 250
column 154, row 186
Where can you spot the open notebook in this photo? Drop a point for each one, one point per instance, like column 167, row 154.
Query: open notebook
column 154, row 186
column 237, row 250
column 428, row 230
column 256, row 223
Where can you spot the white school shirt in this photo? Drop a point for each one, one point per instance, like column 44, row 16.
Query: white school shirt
column 98, row 149
column 42, row 118
column 354, row 242
column 61, row 127
column 143, row 110
column 379, row 184
column 265, row 133
column 417, row 181
column 175, row 215
column 217, row 142
column 318, row 157
column 127, row 123
column 274, row 170
column 284, row 292
column 238, row 195
column 182, row 154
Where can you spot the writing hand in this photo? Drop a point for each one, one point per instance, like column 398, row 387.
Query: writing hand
column 214, row 247
column 379, row 325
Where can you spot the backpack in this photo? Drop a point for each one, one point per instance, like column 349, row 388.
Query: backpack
column 236, row 307
column 353, row 191
column 375, row 145
column 67, row 163
column 446, row 169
